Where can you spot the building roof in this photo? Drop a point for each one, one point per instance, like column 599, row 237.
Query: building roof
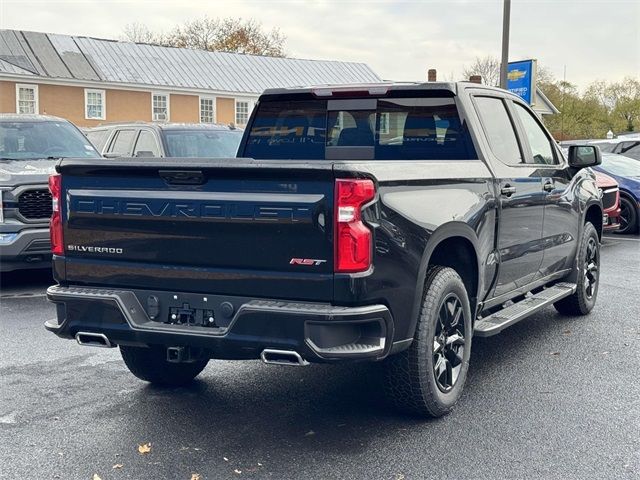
column 60, row 57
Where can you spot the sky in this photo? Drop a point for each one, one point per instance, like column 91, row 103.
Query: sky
column 400, row 40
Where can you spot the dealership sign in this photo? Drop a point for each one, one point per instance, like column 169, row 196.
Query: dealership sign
column 521, row 79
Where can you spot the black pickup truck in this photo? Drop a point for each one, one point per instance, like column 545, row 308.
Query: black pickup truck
column 387, row 222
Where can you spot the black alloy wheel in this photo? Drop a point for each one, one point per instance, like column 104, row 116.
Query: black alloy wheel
column 591, row 264
column 628, row 216
column 448, row 343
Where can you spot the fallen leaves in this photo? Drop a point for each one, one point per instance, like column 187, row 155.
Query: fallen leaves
column 196, row 476
column 144, row 448
column 96, row 477
column 237, row 472
column 117, row 466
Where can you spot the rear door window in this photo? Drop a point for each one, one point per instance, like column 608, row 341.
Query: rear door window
column 384, row 129
column 499, row 130
column 97, row 138
column 146, row 145
column 122, row 142
column 630, row 149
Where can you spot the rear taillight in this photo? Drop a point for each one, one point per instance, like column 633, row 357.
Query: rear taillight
column 55, row 224
column 352, row 237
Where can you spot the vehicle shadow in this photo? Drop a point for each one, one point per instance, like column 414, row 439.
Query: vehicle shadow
column 35, row 279
column 337, row 409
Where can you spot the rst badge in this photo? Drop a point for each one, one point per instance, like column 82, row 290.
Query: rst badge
column 306, row 261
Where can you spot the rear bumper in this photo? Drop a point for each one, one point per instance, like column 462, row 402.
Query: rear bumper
column 242, row 329
column 28, row 248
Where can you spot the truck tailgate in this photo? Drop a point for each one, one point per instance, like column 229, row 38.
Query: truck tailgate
column 212, row 226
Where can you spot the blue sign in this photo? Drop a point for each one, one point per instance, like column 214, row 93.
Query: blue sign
column 521, row 79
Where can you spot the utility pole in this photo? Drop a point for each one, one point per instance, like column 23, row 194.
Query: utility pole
column 564, row 84
column 506, row 15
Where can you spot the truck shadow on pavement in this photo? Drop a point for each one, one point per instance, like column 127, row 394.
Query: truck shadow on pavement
column 248, row 410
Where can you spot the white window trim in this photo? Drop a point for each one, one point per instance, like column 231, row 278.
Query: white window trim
column 250, row 105
column 103, row 94
column 215, row 107
column 36, row 95
column 164, row 94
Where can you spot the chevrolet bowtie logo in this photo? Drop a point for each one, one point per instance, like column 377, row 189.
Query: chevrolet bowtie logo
column 516, row 74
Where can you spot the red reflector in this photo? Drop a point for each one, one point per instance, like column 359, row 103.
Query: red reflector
column 352, row 236
column 55, row 224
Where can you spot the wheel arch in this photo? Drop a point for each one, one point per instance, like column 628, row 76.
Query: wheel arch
column 453, row 245
column 593, row 214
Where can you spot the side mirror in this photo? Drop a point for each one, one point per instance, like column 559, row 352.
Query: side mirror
column 581, row 156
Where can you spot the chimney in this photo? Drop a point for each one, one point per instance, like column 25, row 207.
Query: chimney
column 475, row 79
column 432, row 75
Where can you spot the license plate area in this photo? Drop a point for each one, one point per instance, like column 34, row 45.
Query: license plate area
column 213, row 313
column 185, row 315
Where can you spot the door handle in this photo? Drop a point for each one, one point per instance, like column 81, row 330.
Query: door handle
column 549, row 186
column 508, row 190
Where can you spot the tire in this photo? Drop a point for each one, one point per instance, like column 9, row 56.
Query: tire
column 150, row 364
column 411, row 381
column 628, row 216
column 584, row 298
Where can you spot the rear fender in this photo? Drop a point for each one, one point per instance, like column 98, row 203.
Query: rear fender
column 444, row 232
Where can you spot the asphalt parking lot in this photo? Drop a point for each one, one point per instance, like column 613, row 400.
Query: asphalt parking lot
column 551, row 397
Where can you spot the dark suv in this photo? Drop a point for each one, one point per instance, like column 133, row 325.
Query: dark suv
column 30, row 145
column 140, row 139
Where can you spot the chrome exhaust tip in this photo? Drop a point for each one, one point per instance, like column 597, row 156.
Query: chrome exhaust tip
column 89, row 339
column 282, row 357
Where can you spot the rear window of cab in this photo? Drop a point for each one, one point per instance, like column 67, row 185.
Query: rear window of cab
column 363, row 128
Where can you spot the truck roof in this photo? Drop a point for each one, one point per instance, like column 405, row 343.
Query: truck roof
column 164, row 126
column 381, row 88
column 29, row 117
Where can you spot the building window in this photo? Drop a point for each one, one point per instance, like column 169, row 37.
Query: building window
column 26, row 98
column 207, row 110
column 242, row 112
column 160, row 107
column 94, row 104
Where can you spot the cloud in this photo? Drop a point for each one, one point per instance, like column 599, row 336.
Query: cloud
column 400, row 40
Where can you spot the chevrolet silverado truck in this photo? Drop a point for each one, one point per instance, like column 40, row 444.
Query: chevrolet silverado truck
column 385, row 222
column 30, row 146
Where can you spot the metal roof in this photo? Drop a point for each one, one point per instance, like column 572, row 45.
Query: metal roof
column 92, row 59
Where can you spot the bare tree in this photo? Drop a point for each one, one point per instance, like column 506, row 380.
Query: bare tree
column 139, row 33
column 214, row 34
column 488, row 68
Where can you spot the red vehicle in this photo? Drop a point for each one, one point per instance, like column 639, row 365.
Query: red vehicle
column 610, row 201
